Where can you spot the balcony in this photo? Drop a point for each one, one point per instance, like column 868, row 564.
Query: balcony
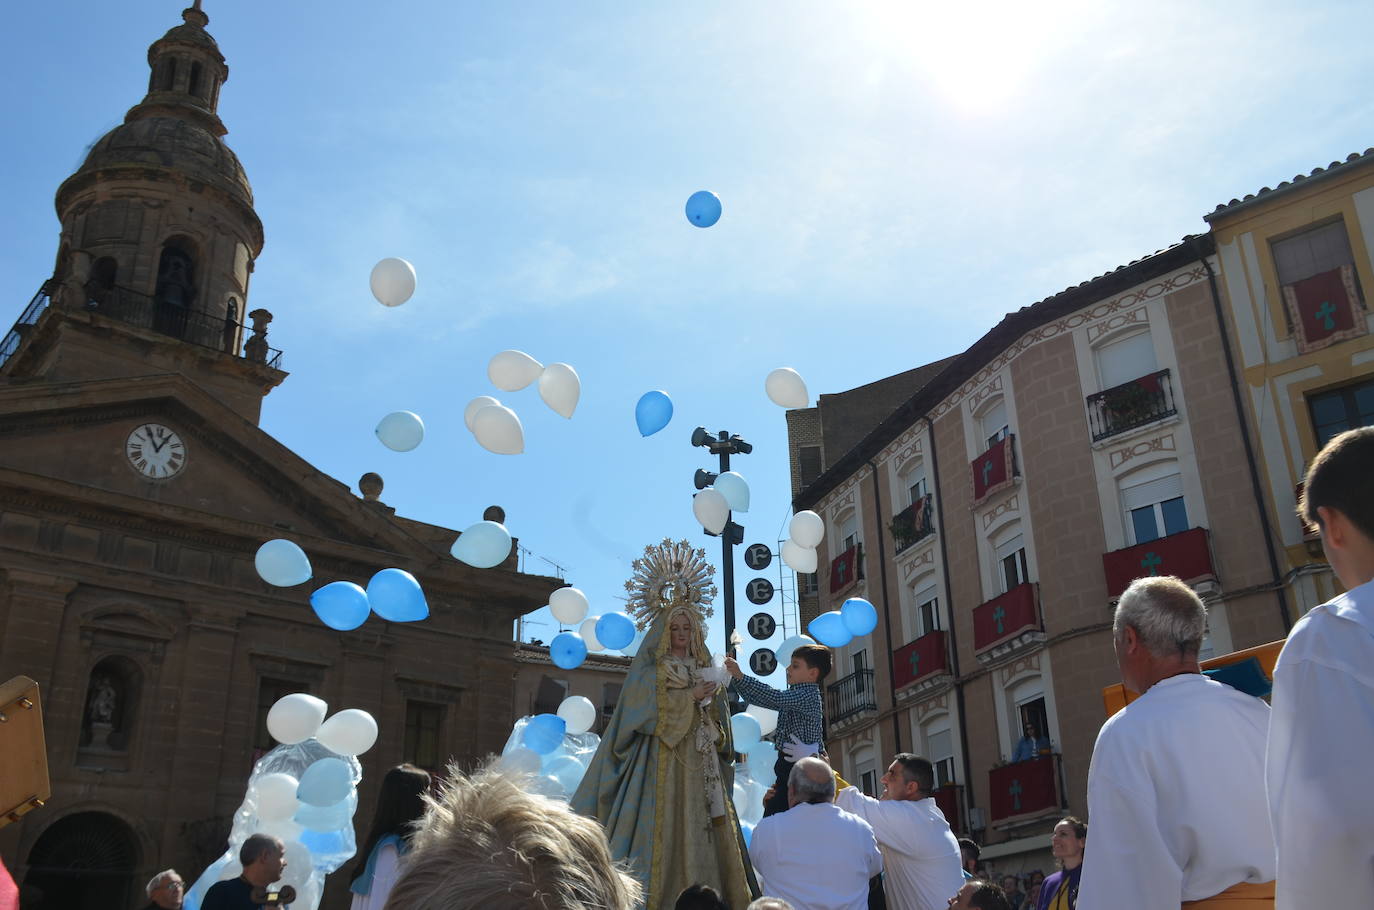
column 1130, row 405
column 846, row 568
column 1187, row 555
column 913, row 524
column 1025, row 791
column 919, row 660
column 950, row 799
column 24, row 325
column 851, row 697
column 995, row 469
column 1008, row 622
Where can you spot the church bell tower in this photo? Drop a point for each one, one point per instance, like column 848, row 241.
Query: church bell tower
column 158, row 241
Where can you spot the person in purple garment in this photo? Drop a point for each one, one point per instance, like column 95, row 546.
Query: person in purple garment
column 1060, row 890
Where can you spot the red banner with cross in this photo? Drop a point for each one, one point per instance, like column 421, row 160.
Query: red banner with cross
column 1187, row 555
column 919, row 659
column 844, row 569
column 1004, row 617
column 1324, row 309
column 1024, row 787
column 994, row 470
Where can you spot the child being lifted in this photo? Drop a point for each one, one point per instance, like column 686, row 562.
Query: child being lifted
column 801, row 722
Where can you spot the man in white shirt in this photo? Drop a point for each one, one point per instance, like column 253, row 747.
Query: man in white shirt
column 815, row 856
column 1176, row 784
column 921, row 859
column 1321, row 737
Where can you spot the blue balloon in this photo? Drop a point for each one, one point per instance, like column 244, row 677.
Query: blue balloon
column 615, row 631
column 653, row 412
column 568, row 650
column 859, row 616
column 748, row 831
column 703, row 208
column 395, row 596
column 485, row 545
column 568, row 771
column 326, row 782
column 282, row 563
column 746, row 731
column 544, row 733
column 326, row 818
column 324, row 843
column 341, row 605
column 829, row 629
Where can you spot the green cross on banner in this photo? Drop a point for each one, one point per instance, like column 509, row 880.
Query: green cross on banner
column 1327, row 313
column 915, row 664
column 987, row 471
column 1150, row 562
column 998, row 614
column 1015, row 791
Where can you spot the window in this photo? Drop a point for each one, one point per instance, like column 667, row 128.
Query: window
column 196, row 76
column 269, row 691
column 1342, row 409
column 1316, row 250
column 1031, row 713
column 849, row 531
column 866, row 769
column 1011, row 563
column 913, row 480
column 1125, row 359
column 940, row 753
column 868, row 781
column 550, row 695
column 422, row 734
column 1156, row 508
column 994, row 423
column 927, row 611
column 809, row 463
column 808, row 584
column 610, row 696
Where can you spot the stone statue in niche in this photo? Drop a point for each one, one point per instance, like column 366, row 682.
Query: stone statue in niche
column 103, row 700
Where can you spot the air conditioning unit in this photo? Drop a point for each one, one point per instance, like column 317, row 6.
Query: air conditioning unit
column 977, row 819
column 1209, row 588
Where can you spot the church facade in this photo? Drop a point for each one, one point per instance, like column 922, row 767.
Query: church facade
column 135, row 488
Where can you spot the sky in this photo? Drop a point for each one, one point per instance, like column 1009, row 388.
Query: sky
column 895, row 177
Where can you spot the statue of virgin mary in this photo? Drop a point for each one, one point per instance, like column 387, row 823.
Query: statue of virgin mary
column 661, row 782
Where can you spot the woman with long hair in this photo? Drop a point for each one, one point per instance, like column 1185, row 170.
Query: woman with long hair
column 1060, row 890
column 399, row 805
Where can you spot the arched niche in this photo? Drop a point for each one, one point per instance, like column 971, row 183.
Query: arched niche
column 83, row 861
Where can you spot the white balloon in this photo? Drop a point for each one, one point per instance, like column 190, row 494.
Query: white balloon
column 588, row 633
column 568, row 605
column 807, row 529
column 786, row 389
column 521, row 760
column 295, row 717
column 284, row 828
column 579, row 713
column 789, row 645
column 767, row 717
column 477, row 404
column 560, row 388
column 350, row 732
column 798, row 558
column 498, row 430
column 711, row 509
column 393, row 281
column 401, row 431
column 484, row 545
column 275, row 795
column 735, row 490
column 299, row 865
column 511, row 371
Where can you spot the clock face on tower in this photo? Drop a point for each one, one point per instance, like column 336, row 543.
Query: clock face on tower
column 155, row 451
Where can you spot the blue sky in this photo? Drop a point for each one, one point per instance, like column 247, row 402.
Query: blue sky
column 895, row 177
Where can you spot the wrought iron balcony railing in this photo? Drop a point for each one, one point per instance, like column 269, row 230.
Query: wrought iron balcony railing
column 913, row 524
column 1131, row 404
column 16, row 335
column 850, row 696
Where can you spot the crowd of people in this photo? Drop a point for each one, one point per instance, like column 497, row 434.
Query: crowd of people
column 1200, row 795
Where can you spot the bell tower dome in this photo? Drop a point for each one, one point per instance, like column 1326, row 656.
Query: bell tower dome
column 159, row 237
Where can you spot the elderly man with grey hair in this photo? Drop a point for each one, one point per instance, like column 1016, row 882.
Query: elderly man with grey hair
column 815, row 856
column 165, row 891
column 1176, row 785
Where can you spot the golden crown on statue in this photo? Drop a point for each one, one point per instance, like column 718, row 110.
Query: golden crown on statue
column 669, row 575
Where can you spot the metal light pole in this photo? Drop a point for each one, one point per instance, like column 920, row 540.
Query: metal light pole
column 723, row 444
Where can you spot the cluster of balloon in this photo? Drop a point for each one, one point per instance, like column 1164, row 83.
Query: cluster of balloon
column 713, row 505
column 393, row 594
column 786, row 389
column 401, row 431
column 393, row 281
column 305, row 792
column 282, row 563
column 755, row 775
column 497, row 428
column 484, row 545
column 856, row 617
column 653, row 412
column 804, row 534
column 703, row 208
column 552, row 751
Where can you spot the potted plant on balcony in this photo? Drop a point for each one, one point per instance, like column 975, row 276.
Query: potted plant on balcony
column 1131, row 404
column 903, row 527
